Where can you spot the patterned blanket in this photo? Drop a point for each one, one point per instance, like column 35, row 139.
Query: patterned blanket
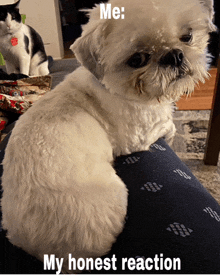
column 17, row 96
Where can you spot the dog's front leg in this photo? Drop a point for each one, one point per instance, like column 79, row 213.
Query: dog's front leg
column 160, row 129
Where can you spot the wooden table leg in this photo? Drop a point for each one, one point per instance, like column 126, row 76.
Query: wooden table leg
column 213, row 138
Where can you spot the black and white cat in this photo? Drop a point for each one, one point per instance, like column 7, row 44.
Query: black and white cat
column 20, row 45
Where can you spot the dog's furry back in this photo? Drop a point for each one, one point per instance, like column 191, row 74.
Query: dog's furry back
column 63, row 191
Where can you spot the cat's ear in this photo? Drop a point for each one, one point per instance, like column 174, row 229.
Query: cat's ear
column 16, row 5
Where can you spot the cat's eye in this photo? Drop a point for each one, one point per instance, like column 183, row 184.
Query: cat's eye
column 186, row 38
column 138, row 60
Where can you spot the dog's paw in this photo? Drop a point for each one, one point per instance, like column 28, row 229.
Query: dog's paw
column 170, row 134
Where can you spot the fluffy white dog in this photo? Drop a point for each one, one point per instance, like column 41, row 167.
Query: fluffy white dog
column 61, row 193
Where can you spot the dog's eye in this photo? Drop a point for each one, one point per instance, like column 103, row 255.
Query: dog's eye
column 138, row 60
column 186, row 38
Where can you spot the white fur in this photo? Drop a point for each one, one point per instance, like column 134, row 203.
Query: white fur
column 17, row 59
column 61, row 193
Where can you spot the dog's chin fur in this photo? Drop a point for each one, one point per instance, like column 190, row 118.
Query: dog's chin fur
column 61, row 193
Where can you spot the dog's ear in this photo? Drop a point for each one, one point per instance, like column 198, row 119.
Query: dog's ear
column 208, row 6
column 87, row 48
column 86, row 51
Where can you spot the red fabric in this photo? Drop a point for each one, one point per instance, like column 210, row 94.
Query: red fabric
column 2, row 124
column 18, row 96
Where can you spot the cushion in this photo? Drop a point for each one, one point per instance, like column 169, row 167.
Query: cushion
column 172, row 223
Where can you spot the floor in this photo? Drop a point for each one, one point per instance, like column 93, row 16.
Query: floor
column 189, row 144
column 67, row 52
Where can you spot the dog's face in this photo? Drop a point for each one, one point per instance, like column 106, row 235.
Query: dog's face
column 159, row 50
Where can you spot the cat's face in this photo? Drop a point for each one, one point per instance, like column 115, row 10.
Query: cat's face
column 10, row 19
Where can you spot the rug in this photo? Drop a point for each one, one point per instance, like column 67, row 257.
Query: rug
column 189, row 145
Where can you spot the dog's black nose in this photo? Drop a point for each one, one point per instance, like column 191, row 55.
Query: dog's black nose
column 173, row 58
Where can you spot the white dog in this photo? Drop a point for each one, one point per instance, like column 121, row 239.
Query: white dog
column 61, row 193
